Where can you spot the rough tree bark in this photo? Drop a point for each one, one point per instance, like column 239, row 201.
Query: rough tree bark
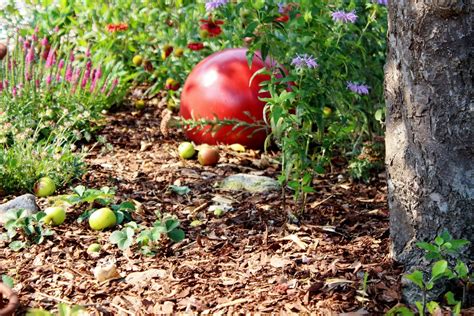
column 430, row 123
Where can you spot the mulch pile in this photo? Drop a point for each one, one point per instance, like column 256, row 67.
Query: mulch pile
column 251, row 259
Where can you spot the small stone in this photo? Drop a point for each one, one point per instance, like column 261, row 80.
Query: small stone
column 250, row 183
column 25, row 201
column 145, row 277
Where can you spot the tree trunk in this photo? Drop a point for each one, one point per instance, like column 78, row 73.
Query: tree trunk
column 430, row 123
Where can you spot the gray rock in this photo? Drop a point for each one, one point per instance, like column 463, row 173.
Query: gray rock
column 250, row 183
column 25, row 201
column 145, row 277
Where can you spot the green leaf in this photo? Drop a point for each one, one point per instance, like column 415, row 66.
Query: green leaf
column 416, row 277
column 426, row 246
column 17, row 245
column 449, row 296
column 400, row 311
column 7, row 280
column 176, row 235
column 126, row 206
column 420, row 308
column 457, row 244
column 38, row 312
column 439, row 241
column 432, row 307
column 123, row 239
column 438, row 269
column 446, row 236
column 180, row 190
column 171, row 224
column 461, row 269
column 80, row 189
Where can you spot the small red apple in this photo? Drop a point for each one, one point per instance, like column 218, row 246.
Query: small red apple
column 208, row 156
column 3, row 51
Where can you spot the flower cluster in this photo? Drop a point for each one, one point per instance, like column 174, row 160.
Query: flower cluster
column 358, row 88
column 211, row 5
column 40, row 67
column 119, row 27
column 344, row 17
column 304, row 61
column 382, row 2
column 212, row 26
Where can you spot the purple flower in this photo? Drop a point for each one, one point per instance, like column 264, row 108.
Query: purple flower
column 382, row 2
column 214, row 4
column 358, row 88
column 281, row 7
column 344, row 17
column 302, row 61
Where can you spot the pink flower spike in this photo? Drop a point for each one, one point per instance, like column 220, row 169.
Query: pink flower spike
column 56, row 29
column 36, row 29
column 104, row 87
column 69, row 73
column 30, row 57
column 51, row 60
column 44, row 41
column 112, row 88
column 48, row 80
column 71, row 57
column 61, row 64
column 88, row 53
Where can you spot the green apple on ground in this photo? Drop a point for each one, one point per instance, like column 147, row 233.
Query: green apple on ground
column 140, row 104
column 44, row 187
column 102, row 218
column 208, row 156
column 186, row 150
column 327, row 111
column 93, row 248
column 54, row 215
column 218, row 212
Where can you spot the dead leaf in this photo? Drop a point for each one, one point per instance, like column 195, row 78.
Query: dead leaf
column 278, row 262
column 294, row 238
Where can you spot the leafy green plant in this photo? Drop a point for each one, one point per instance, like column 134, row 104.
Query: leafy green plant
column 23, row 229
column 63, row 310
column 82, row 195
column 7, row 280
column 444, row 250
column 148, row 239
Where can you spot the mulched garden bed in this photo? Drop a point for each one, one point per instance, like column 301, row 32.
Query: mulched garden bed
column 249, row 260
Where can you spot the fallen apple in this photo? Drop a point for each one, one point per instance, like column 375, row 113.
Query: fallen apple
column 44, row 187
column 54, row 215
column 137, row 60
column 208, row 156
column 327, row 111
column 102, row 218
column 140, row 104
column 3, row 51
column 93, row 248
column 186, row 150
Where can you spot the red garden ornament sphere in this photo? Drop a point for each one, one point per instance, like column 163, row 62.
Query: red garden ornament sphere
column 218, row 87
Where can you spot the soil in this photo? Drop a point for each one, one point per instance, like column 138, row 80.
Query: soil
column 250, row 259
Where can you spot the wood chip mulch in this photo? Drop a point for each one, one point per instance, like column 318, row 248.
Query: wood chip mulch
column 249, row 260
